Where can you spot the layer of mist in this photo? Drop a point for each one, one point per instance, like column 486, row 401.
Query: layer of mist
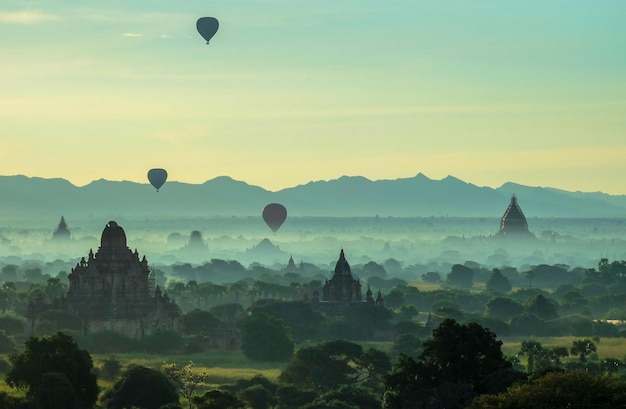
column 419, row 245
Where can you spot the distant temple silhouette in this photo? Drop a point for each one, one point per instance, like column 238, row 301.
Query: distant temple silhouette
column 62, row 232
column 342, row 287
column 344, row 290
column 196, row 242
column 513, row 222
column 114, row 290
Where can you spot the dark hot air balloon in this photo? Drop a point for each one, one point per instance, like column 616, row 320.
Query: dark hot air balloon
column 207, row 27
column 274, row 215
column 157, row 177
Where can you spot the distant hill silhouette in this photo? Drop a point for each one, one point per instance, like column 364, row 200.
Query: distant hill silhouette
column 36, row 198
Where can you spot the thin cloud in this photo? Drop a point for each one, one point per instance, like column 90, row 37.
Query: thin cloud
column 132, row 34
column 26, row 17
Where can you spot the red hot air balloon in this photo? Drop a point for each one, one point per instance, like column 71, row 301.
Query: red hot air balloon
column 274, row 215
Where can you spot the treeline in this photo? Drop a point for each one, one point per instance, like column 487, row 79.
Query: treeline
column 542, row 301
column 458, row 366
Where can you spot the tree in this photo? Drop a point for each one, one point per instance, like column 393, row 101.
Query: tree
column 56, row 391
column 582, row 348
column 557, row 390
column 111, row 368
column 186, row 378
column 7, row 343
column 498, row 283
column 141, row 387
column 530, row 274
column 543, row 307
column 327, row 365
column 109, row 341
column 464, row 352
column 7, row 296
column 266, row 338
column 528, row 324
column 12, row 325
column 360, row 321
column 406, row 344
column 456, row 364
column 503, row 308
column 216, row 399
column 53, row 363
column 257, row 397
column 289, row 397
column 303, row 322
column 162, row 342
column 533, row 351
column 199, row 322
column 54, row 288
column 8, row 273
column 350, row 396
column 460, row 276
column 431, row 277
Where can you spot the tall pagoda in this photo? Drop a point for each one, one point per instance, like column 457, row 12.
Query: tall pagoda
column 513, row 222
column 62, row 232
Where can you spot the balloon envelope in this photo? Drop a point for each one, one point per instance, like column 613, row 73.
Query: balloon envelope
column 274, row 215
column 207, row 27
column 157, row 177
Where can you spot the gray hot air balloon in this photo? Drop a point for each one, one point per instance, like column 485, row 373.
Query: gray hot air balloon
column 207, row 27
column 157, row 177
column 274, row 215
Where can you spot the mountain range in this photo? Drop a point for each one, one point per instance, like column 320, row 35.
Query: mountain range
column 24, row 197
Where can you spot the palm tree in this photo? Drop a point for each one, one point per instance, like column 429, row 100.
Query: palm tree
column 534, row 351
column 582, row 348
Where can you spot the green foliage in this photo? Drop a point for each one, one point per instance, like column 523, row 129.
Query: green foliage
column 61, row 319
column 56, row 391
column 346, row 397
column 582, row 348
column 187, row 379
column 464, row 352
column 543, row 307
column 289, row 397
column 406, row 344
column 460, row 276
column 216, row 399
column 7, row 343
column 162, row 342
column 303, row 322
column 266, row 338
column 359, row 322
column 557, row 390
column 12, row 325
column 528, row 324
column 107, row 342
column 330, row 364
column 5, row 366
column 257, row 397
column 199, row 322
column 457, row 363
column 13, row 402
column 498, row 283
column 503, row 308
column 54, row 360
column 111, row 369
column 140, row 387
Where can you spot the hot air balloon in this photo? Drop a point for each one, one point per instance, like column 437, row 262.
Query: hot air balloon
column 274, row 215
column 157, row 177
column 207, row 27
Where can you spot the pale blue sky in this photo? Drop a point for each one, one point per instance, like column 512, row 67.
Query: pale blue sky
column 291, row 91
